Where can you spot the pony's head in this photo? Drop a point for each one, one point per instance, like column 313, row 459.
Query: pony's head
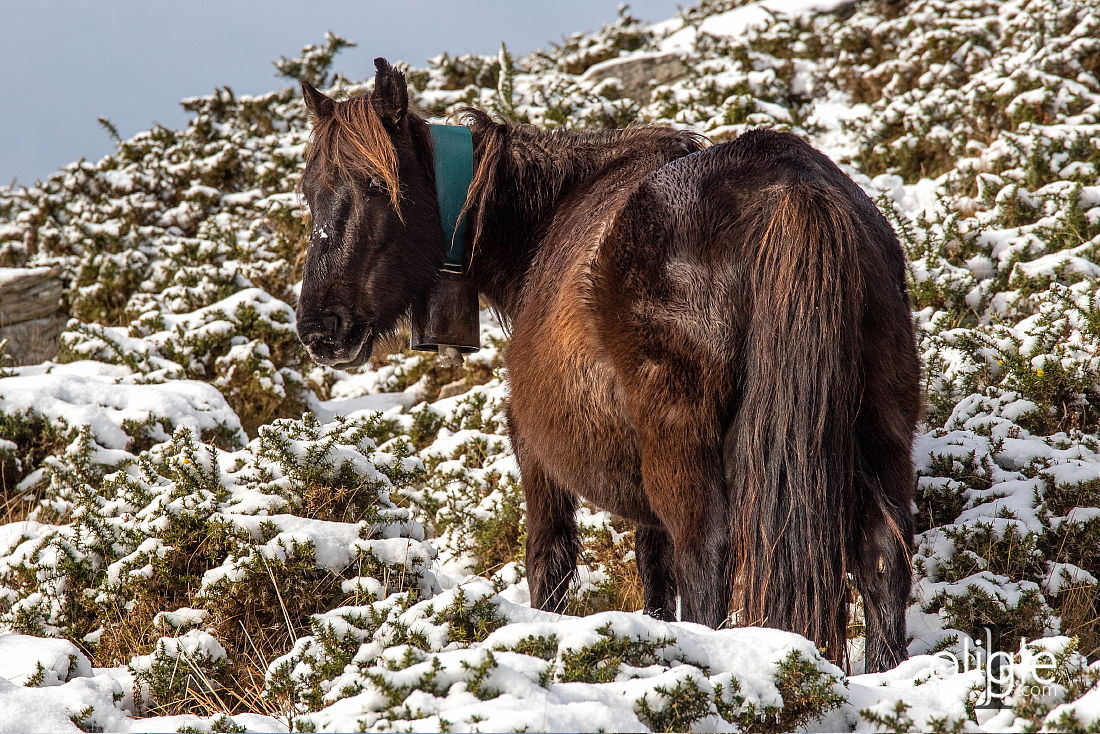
column 377, row 241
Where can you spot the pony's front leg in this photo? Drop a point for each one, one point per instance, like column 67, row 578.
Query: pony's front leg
column 553, row 542
column 653, row 554
column 683, row 481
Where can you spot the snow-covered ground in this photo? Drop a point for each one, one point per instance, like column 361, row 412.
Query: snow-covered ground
column 183, row 550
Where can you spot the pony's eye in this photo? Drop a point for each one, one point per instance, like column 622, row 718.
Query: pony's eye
column 375, row 188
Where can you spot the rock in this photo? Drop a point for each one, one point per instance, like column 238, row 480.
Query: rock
column 28, row 293
column 34, row 341
column 453, row 388
column 640, row 73
column 30, row 313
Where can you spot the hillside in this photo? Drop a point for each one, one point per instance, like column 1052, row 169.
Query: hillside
column 201, row 530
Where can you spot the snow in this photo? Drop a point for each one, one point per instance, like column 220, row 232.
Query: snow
column 51, row 709
column 1061, row 576
column 9, row 275
column 331, row 541
column 106, row 405
column 327, row 410
column 740, row 20
column 23, row 658
column 1002, row 261
column 182, row 617
column 1086, row 708
column 569, row 706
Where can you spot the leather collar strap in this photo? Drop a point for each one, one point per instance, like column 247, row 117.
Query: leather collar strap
column 454, row 170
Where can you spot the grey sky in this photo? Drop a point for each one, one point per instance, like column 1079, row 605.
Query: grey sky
column 66, row 63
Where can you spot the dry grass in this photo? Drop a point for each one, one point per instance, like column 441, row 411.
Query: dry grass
column 35, row 438
column 256, row 624
column 337, row 504
column 15, row 506
column 1079, row 608
column 127, row 632
column 622, row 592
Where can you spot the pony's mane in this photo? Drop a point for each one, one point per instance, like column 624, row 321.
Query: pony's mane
column 353, row 140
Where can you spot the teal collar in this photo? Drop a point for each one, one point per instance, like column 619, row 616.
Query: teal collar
column 454, row 170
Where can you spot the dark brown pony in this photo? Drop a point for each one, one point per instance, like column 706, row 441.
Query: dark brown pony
column 713, row 342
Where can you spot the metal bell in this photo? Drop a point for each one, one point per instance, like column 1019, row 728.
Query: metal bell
column 448, row 321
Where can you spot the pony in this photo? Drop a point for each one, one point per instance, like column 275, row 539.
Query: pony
column 713, row 342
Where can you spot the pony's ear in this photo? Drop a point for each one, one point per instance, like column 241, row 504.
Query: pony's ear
column 391, row 94
column 318, row 104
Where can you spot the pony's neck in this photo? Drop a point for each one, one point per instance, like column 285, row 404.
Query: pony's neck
column 523, row 175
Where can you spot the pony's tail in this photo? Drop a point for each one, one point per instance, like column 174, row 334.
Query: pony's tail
column 789, row 449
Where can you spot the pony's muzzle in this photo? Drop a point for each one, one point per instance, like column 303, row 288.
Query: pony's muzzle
column 332, row 340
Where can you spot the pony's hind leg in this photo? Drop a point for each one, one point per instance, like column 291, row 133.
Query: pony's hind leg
column 653, row 553
column 682, row 478
column 881, row 531
column 553, row 542
column 883, row 575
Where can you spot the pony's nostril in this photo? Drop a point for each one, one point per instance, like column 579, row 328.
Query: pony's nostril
column 331, row 322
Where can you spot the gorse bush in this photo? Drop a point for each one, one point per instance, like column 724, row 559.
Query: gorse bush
column 187, row 510
column 187, row 526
